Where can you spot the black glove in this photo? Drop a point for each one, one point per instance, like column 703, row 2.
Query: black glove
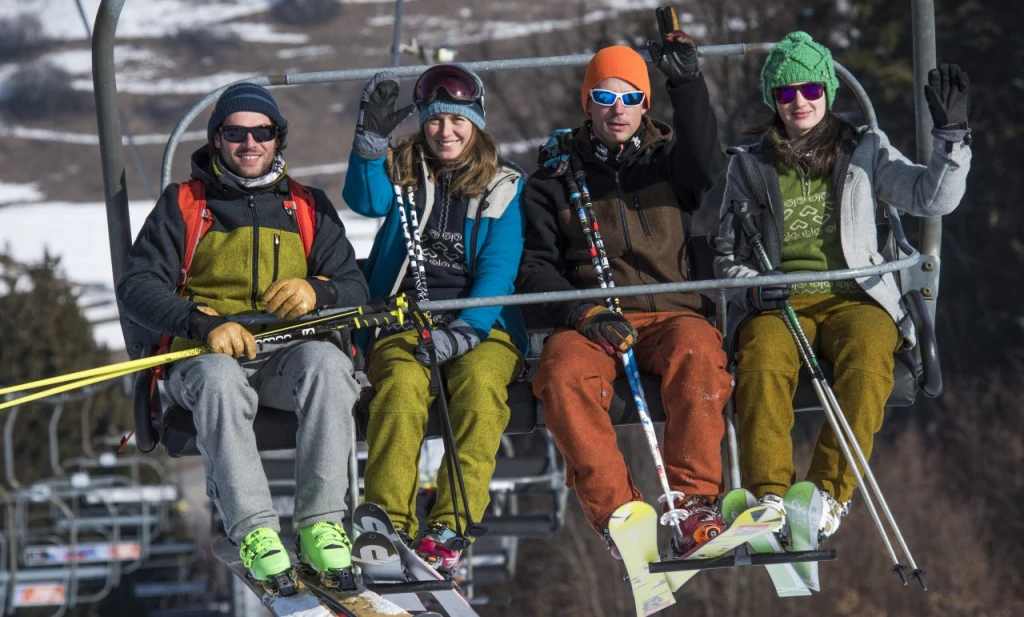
column 553, row 156
column 458, row 339
column 378, row 117
column 949, row 96
column 675, row 54
column 609, row 329
column 769, row 297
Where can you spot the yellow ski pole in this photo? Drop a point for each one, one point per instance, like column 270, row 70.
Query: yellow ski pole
column 111, row 370
column 123, row 368
column 35, row 396
column 88, row 377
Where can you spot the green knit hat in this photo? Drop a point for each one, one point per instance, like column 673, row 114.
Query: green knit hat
column 794, row 59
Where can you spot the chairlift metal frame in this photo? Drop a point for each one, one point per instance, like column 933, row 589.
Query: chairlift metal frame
column 919, row 272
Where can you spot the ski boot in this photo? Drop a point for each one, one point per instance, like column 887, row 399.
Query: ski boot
column 267, row 559
column 831, row 517
column 736, row 502
column 432, row 549
column 700, row 524
column 610, row 544
column 774, row 501
column 325, row 548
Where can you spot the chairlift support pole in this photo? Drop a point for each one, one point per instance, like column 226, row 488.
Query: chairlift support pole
column 396, row 39
column 925, row 59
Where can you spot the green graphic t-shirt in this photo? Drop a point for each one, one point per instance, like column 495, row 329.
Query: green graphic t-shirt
column 810, row 238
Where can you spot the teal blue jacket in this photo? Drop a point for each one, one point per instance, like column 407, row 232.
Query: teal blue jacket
column 494, row 230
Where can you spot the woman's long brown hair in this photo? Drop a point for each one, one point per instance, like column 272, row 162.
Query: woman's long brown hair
column 475, row 169
column 821, row 144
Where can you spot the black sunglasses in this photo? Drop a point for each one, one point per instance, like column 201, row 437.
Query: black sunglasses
column 237, row 134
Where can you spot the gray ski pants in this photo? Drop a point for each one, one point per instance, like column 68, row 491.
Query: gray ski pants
column 312, row 378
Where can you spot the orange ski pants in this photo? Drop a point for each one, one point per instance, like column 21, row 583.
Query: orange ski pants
column 574, row 383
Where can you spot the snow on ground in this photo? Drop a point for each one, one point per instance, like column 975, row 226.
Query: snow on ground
column 200, row 84
column 144, row 19
column 68, row 137
column 435, row 29
column 15, row 193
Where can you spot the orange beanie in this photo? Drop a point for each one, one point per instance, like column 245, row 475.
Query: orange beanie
column 617, row 61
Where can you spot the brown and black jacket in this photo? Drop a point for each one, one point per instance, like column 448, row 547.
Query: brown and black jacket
column 641, row 207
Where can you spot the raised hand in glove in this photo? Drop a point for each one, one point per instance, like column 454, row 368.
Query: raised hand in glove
column 675, row 54
column 378, row 117
column 553, row 156
column 609, row 329
column 949, row 96
column 290, row 298
column 769, row 297
column 455, row 341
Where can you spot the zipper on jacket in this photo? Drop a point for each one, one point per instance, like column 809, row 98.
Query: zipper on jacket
column 277, row 256
column 628, row 240
column 255, row 251
column 643, row 217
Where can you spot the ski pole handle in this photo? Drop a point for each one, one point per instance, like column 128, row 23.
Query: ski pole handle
column 743, row 210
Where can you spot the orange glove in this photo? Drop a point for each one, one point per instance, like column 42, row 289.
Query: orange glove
column 232, row 339
column 290, row 298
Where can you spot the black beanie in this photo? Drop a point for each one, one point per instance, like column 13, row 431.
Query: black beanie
column 247, row 97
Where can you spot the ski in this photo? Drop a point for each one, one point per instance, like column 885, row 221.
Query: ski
column 634, row 529
column 371, row 517
column 301, row 603
column 751, row 523
column 360, row 602
column 379, row 561
column 804, row 509
column 784, row 576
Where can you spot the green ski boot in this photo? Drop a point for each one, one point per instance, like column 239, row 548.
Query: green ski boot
column 325, row 548
column 267, row 560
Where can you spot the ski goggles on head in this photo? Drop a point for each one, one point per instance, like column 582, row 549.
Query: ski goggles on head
column 607, row 98
column 812, row 91
column 238, row 134
column 457, row 83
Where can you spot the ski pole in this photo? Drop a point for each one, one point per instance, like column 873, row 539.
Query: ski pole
column 130, row 366
column 410, row 232
column 358, row 318
column 414, row 250
column 833, row 410
column 579, row 195
column 448, row 438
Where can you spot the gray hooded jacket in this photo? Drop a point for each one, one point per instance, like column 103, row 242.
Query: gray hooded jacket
column 869, row 172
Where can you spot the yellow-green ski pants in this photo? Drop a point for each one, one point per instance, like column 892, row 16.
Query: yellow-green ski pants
column 858, row 337
column 477, row 386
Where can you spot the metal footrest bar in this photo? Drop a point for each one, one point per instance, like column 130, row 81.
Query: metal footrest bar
column 730, row 561
column 385, row 589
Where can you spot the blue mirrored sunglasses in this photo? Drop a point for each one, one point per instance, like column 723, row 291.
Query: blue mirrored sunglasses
column 607, row 98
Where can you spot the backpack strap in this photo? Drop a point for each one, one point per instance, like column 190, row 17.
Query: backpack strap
column 303, row 206
column 198, row 220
